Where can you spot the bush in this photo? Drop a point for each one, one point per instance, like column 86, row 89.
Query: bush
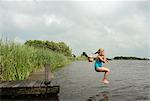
column 18, row 61
column 59, row 47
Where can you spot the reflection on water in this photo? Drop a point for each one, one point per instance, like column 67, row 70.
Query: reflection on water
column 30, row 98
column 129, row 81
column 101, row 96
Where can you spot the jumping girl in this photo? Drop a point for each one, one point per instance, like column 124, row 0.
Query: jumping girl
column 100, row 59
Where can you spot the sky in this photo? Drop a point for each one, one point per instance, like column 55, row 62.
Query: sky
column 121, row 27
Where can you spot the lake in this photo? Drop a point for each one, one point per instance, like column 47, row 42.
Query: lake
column 129, row 81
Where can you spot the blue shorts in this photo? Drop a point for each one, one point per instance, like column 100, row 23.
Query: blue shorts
column 98, row 64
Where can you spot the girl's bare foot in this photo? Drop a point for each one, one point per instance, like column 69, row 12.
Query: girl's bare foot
column 105, row 81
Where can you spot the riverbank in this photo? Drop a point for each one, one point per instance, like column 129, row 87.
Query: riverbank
column 129, row 58
column 17, row 61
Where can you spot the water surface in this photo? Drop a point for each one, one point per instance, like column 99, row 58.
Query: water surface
column 129, row 81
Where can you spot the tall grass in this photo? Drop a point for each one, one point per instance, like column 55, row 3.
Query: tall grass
column 18, row 61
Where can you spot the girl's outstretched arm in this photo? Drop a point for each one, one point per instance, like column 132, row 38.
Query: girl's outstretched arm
column 102, row 59
column 84, row 53
column 106, row 60
column 90, row 58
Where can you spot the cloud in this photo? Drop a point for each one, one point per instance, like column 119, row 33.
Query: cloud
column 18, row 40
column 49, row 19
column 121, row 27
column 22, row 21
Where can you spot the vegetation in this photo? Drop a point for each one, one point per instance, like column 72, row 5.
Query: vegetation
column 18, row 61
column 59, row 47
column 129, row 58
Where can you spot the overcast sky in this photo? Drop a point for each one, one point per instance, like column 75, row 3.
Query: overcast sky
column 120, row 27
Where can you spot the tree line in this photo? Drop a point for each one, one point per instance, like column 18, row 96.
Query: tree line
column 59, row 47
column 129, row 58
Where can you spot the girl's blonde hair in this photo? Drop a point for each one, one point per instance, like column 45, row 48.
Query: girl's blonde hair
column 99, row 51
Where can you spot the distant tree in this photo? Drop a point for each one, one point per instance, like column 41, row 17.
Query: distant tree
column 60, row 47
column 129, row 58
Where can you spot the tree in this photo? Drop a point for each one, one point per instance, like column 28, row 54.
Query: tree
column 59, row 47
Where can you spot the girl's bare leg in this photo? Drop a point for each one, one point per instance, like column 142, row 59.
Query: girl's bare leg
column 106, row 74
column 107, row 71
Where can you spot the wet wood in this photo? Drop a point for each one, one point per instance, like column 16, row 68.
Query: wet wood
column 34, row 85
column 19, row 83
column 38, row 89
column 4, row 83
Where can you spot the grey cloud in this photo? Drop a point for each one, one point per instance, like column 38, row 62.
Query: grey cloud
column 119, row 27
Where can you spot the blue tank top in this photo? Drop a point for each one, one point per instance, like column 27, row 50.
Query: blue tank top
column 98, row 64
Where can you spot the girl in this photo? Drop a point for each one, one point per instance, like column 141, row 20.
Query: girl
column 100, row 59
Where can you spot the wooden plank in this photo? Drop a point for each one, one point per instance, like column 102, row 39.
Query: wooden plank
column 23, row 84
column 30, row 87
column 52, row 90
column 42, row 84
column 49, row 89
column 8, row 84
column 48, row 73
column 18, row 84
column 21, row 91
column 27, row 83
column 38, row 88
column 4, row 83
column 38, row 83
column 30, row 84
column 11, row 84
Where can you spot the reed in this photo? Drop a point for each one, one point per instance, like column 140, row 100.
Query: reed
column 19, row 61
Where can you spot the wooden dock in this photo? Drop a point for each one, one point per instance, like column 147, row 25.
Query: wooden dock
column 38, row 84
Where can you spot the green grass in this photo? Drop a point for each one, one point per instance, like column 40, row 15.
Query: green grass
column 19, row 61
